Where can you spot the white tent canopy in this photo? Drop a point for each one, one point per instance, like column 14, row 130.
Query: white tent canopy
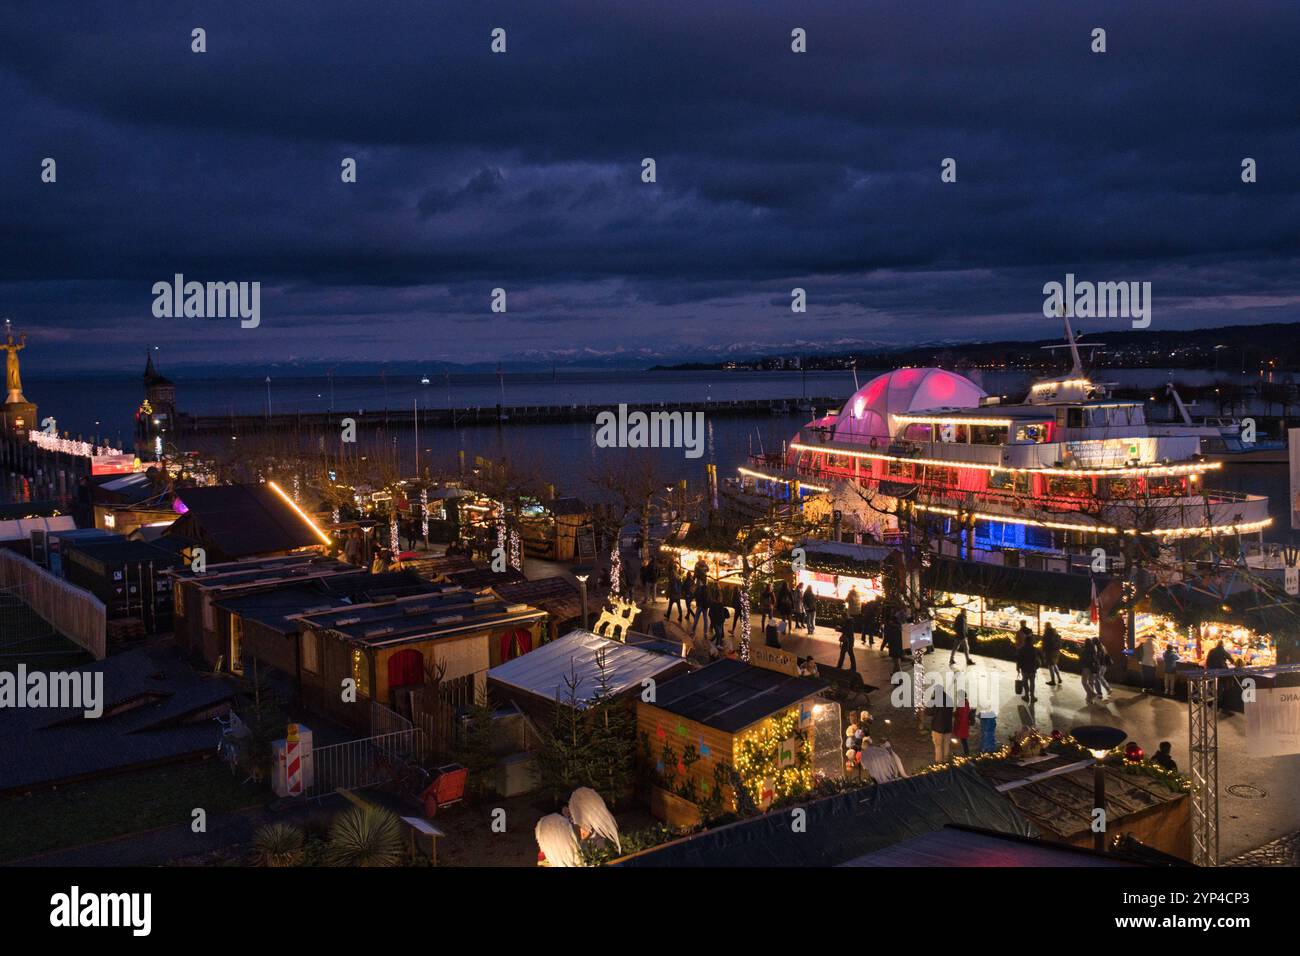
column 544, row 671
column 21, row 530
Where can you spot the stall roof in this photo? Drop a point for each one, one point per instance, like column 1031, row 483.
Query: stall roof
column 474, row 578
column 959, row 846
column 265, row 571
column 443, row 613
column 237, row 521
column 29, row 509
column 1051, row 588
column 21, row 529
column 556, row 596
column 730, row 695
column 848, row 825
column 277, row 608
column 120, row 551
column 544, row 672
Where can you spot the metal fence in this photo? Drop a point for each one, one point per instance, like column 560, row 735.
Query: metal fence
column 358, row 764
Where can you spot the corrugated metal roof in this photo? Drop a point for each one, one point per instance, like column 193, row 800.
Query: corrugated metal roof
column 545, row 670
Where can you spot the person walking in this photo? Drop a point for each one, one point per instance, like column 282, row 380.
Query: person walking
column 961, row 639
column 846, row 646
column 796, row 607
column 941, row 725
column 688, row 594
column 1027, row 662
column 701, row 608
column 674, row 594
column 872, row 621
column 1103, row 664
column 961, row 721
column 893, row 640
column 1088, row 670
column 1147, row 661
column 736, row 608
column 784, row 606
column 766, row 605
column 1052, row 654
column 717, row 615
column 649, row 581
column 810, row 609
column 1169, row 663
column 853, row 608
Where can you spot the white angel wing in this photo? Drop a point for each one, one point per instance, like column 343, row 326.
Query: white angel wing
column 556, row 839
column 588, row 810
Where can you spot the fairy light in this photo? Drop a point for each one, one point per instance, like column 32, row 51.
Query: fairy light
column 394, row 544
column 744, row 618
column 750, row 473
column 424, row 514
column 758, row 759
column 299, row 512
column 615, row 569
column 1123, row 471
column 957, row 420
column 516, row 551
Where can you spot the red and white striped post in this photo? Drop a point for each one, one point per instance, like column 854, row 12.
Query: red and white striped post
column 293, row 762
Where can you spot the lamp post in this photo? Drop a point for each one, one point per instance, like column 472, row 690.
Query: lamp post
column 582, row 574
column 1100, row 741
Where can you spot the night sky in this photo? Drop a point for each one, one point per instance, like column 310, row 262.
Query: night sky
column 523, row 171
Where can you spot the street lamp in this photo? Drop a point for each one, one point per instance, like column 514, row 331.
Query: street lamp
column 1099, row 741
column 582, row 574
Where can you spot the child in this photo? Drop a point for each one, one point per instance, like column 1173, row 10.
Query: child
column 1164, row 757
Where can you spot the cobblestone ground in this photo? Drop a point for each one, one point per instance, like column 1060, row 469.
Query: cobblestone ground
column 1283, row 852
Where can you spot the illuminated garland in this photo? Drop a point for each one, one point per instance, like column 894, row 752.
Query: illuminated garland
column 424, row 514
column 615, row 569
column 516, row 551
column 758, row 761
column 744, row 618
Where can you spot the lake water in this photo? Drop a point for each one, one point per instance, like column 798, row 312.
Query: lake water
column 564, row 454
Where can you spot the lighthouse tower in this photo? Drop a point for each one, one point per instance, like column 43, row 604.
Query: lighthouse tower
column 155, row 419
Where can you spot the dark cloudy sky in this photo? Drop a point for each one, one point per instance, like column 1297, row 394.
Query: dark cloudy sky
column 523, row 171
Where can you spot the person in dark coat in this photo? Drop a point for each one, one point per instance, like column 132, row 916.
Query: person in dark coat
column 940, row 714
column 766, row 605
column 961, row 639
column 675, row 594
column 810, row 610
column 1027, row 663
column 717, row 617
column 784, row 605
column 871, row 621
column 1052, row 654
column 894, row 642
column 1164, row 757
column 1218, row 659
column 846, row 646
column 736, row 608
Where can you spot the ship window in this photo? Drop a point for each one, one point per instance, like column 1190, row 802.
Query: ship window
column 898, row 469
column 1036, row 433
column 1009, row 481
column 1075, row 418
column 939, row 475
column 1167, row 487
column 919, row 431
column 1069, row 487
column 988, row 434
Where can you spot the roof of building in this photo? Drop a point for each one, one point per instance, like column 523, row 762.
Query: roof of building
column 548, row 670
column 278, row 608
column 236, row 521
column 962, row 846
column 442, row 613
column 153, row 711
column 556, row 596
column 730, row 695
column 474, row 578
column 265, row 571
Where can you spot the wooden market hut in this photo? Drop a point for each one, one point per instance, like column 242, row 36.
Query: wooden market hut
column 391, row 648
column 538, row 682
column 557, row 596
column 700, row 722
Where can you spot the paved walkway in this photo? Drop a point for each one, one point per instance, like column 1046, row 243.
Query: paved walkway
column 1245, row 823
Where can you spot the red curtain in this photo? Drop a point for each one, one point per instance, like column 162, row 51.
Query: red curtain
column 406, row 667
column 516, row 643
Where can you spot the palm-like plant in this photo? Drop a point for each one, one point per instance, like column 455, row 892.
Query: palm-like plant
column 278, row 845
column 369, row 836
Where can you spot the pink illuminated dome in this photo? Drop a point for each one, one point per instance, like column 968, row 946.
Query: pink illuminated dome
column 869, row 412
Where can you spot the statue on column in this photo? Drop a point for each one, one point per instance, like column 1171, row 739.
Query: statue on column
column 13, row 382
